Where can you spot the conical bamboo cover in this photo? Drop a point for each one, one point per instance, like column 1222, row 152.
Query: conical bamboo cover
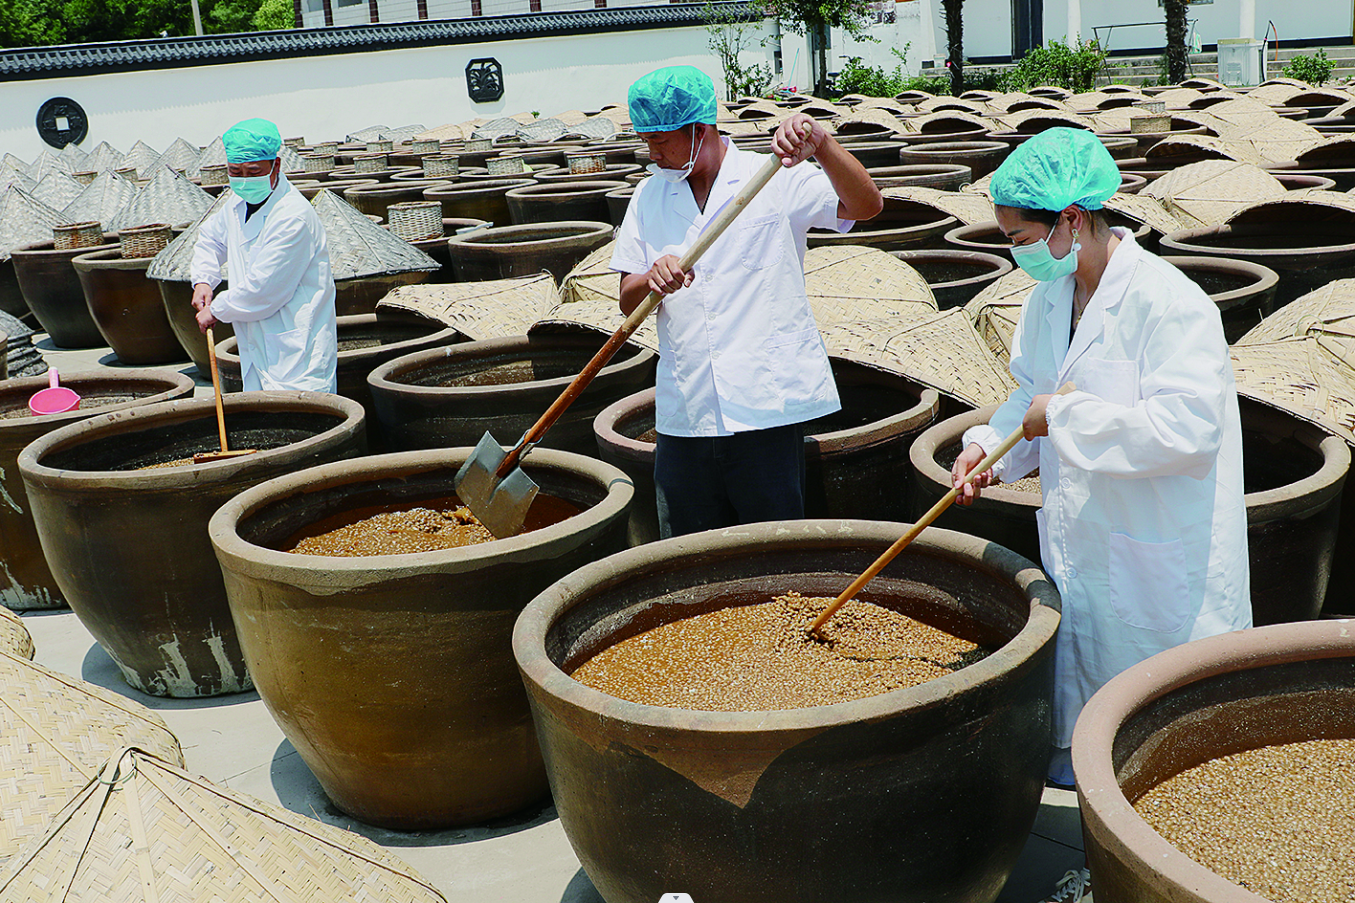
column 180, row 156
column 590, row 296
column 142, row 156
column 102, row 200
column 57, row 190
column 55, row 733
column 175, row 262
column 359, row 247
column 146, row 831
column 24, row 220
column 169, row 198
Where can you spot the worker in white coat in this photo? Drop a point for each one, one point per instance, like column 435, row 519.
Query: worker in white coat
column 280, row 298
column 1143, row 527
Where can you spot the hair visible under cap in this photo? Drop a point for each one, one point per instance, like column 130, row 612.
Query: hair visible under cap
column 1055, row 170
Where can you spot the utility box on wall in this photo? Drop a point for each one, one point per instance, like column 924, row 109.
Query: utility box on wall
column 1240, row 61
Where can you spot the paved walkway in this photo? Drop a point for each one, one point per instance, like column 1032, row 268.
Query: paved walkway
column 232, row 740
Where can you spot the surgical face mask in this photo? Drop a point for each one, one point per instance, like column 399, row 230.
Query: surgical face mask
column 674, row 176
column 1040, row 263
column 252, row 189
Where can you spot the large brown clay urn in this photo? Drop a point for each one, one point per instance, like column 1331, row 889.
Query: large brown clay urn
column 128, row 545
column 127, row 308
column 503, row 252
column 392, row 675
column 52, row 290
column 26, row 582
column 921, row 795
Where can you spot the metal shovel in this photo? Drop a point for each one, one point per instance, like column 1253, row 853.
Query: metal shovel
column 490, row 483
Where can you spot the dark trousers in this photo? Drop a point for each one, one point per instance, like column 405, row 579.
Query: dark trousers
column 704, row 483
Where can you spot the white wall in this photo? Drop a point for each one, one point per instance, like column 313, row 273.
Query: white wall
column 1295, row 19
column 331, row 96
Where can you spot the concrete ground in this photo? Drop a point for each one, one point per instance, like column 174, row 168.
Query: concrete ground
column 233, row 741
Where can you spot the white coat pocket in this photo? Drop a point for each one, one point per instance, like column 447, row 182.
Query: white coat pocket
column 1114, row 381
column 286, row 353
column 1148, row 583
column 762, row 242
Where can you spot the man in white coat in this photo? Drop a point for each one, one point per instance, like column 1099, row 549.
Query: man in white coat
column 1144, row 526
column 281, row 295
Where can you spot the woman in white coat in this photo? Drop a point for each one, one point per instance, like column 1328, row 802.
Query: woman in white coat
column 1143, row 527
column 281, row 294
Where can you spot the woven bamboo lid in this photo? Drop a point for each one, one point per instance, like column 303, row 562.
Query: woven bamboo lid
column 363, row 135
column 1308, row 208
column 212, row 155
column 480, row 310
column 57, row 190
column 449, row 132
column 571, row 117
column 850, row 283
column 9, row 175
column 945, row 102
column 996, row 310
column 968, row 207
column 142, row 156
column 947, row 353
column 24, row 220
column 169, row 197
column 175, row 262
column 102, row 200
column 862, row 341
column 359, row 247
column 1145, row 209
column 55, row 733
column 73, row 157
column 1025, row 120
column 14, row 162
column 1193, row 145
column 1209, row 192
column 503, row 127
column 180, row 156
column 403, row 133
column 46, row 164
column 1337, row 151
column 104, row 157
column 1318, row 97
column 864, row 117
column 1281, row 140
column 146, row 831
column 590, row 297
column 14, row 636
column 598, row 128
column 946, row 121
column 887, row 104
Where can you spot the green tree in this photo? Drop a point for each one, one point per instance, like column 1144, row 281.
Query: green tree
column 274, row 15
column 728, row 35
column 1177, row 58
column 30, row 23
column 955, row 43
column 229, row 16
column 815, row 17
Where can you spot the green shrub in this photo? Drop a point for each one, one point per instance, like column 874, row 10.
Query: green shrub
column 1056, row 63
column 1314, row 69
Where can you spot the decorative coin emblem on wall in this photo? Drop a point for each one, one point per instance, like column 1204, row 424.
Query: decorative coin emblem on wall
column 62, row 121
column 484, row 80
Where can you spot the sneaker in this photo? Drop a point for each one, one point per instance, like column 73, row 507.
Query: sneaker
column 1074, row 887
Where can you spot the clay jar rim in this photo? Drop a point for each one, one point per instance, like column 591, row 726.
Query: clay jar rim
column 338, row 574
column 437, row 330
column 953, row 147
column 556, row 233
column 383, row 189
column 1183, row 242
column 485, row 187
column 46, row 250
column 828, row 443
column 116, row 482
column 109, row 259
column 172, row 381
column 923, row 452
column 1265, row 278
column 684, row 553
column 1105, row 809
column 998, row 266
column 385, row 378
column 549, row 190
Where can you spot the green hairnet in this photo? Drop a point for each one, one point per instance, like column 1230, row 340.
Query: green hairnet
column 667, row 99
column 253, row 139
column 1055, row 170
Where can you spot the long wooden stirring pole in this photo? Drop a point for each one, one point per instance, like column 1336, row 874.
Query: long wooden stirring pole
column 923, row 522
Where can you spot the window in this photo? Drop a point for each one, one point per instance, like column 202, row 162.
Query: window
column 347, row 2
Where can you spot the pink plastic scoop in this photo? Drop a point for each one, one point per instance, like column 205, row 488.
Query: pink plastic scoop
column 55, row 399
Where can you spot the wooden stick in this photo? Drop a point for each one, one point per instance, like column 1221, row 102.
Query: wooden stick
column 712, row 231
column 923, row 522
column 216, row 389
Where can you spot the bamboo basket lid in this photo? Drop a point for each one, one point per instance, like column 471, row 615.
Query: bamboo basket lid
column 1053, row 118
column 868, row 116
column 359, row 247
column 1090, row 101
column 590, row 297
column 922, row 124
column 104, row 157
column 291, row 160
column 759, row 109
column 1285, row 80
column 1179, row 97
column 947, row 353
column 9, row 175
column 403, row 134
column 1003, row 103
column 888, row 104
column 14, row 636
column 847, row 283
column 46, row 164
column 1328, row 311
column 861, row 341
column 1186, row 145
column 1318, row 97
column 142, row 156
column 1203, row 83
column 57, row 190
column 738, row 127
column 1307, row 208
column 175, row 262
column 1281, row 139
column 169, row 198
column 599, row 128
column 55, row 732
column 480, row 310
column 180, row 156
column 617, row 113
column 213, row 154
column 542, row 130
column 996, row 310
column 503, row 127
column 1145, row 209
column 968, row 207
column 955, row 104
column 571, row 117
column 1209, row 192
column 1333, row 150
column 1310, row 378
column 102, row 200
column 144, row 830
column 24, row 220
column 1242, row 105
column 449, row 132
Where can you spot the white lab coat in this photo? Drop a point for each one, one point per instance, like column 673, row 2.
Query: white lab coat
column 281, row 295
column 1144, row 527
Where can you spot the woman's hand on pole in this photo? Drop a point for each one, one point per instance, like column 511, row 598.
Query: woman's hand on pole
column 970, row 458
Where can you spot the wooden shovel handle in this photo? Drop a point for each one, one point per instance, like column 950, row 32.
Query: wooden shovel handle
column 925, row 521
column 216, row 389
column 727, row 214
